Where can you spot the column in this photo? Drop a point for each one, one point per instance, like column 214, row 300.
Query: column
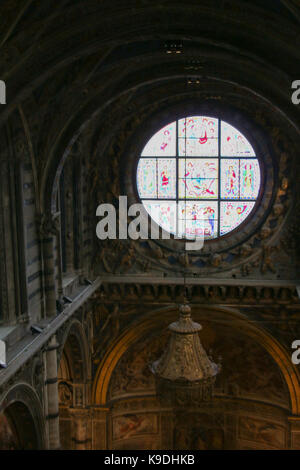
column 99, row 428
column 294, row 422
column 81, row 420
column 51, row 389
column 49, row 227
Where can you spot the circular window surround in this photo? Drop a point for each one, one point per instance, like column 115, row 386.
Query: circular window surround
column 253, row 133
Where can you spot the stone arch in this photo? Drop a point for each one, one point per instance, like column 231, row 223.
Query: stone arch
column 97, row 101
column 142, row 28
column 21, row 413
column 73, row 385
column 92, row 109
column 160, row 319
column 74, row 354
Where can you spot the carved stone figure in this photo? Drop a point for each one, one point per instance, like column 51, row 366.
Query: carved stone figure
column 65, row 393
column 267, row 263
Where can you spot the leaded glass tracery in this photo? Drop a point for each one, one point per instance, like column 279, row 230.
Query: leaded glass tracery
column 198, row 176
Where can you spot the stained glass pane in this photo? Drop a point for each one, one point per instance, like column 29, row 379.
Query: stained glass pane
column 233, row 213
column 230, row 170
column 163, row 213
column 163, row 143
column 198, row 188
column 249, row 179
column 198, row 178
column 233, row 143
column 146, row 178
column 166, row 178
column 198, row 218
column 198, row 136
column 197, row 228
column 196, row 210
column 198, row 147
column 198, row 168
column 203, row 127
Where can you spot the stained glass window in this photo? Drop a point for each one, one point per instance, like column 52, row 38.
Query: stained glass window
column 198, row 176
column 166, row 168
column 163, row 213
column 163, row 143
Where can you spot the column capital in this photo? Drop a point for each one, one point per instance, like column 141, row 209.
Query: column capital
column 294, row 419
column 80, row 412
column 52, row 344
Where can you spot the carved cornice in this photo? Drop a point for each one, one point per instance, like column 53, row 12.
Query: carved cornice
column 136, row 290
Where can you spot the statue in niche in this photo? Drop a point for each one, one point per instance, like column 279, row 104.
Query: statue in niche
column 65, row 393
column 267, row 264
column 184, row 259
column 246, row 250
column 215, row 260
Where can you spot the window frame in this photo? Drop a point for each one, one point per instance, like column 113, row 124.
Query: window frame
column 219, row 157
column 148, row 124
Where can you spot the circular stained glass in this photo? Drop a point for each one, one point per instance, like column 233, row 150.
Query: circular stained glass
column 198, row 177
